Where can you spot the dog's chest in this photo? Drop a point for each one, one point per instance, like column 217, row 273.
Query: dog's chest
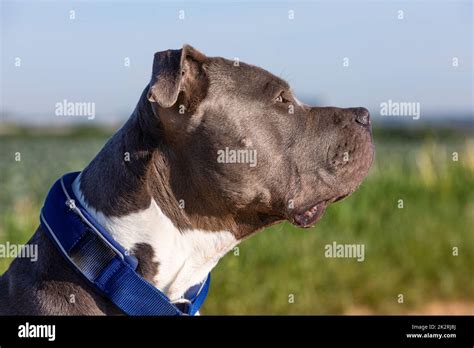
column 180, row 259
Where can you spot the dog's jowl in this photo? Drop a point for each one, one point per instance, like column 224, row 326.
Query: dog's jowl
column 212, row 153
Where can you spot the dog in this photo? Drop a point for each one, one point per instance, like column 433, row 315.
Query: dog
column 214, row 151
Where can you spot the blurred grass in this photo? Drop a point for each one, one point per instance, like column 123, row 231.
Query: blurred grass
column 407, row 251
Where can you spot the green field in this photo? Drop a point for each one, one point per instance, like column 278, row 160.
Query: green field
column 408, row 251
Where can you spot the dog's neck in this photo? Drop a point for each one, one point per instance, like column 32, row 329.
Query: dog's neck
column 134, row 204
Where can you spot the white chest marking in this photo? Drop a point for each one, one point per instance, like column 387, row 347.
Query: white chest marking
column 184, row 257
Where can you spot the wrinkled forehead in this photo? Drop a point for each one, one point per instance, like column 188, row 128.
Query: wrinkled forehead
column 235, row 76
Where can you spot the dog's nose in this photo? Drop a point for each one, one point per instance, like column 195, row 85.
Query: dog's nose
column 362, row 116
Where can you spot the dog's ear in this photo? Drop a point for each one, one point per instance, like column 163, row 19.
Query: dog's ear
column 176, row 71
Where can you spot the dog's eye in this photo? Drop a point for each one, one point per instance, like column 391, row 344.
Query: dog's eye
column 281, row 99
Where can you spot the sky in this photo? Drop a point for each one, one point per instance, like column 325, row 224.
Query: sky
column 341, row 53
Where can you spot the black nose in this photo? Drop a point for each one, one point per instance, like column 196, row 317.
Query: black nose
column 362, row 116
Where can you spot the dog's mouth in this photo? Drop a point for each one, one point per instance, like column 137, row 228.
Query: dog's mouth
column 310, row 216
column 314, row 213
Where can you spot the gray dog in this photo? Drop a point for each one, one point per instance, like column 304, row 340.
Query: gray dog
column 214, row 152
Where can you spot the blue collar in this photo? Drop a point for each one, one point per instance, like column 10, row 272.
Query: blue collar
column 104, row 263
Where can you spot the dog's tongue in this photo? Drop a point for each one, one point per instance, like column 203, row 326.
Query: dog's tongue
column 310, row 216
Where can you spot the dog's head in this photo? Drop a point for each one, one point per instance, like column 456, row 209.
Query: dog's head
column 248, row 153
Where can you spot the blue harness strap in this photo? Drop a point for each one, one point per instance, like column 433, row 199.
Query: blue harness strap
column 104, row 263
